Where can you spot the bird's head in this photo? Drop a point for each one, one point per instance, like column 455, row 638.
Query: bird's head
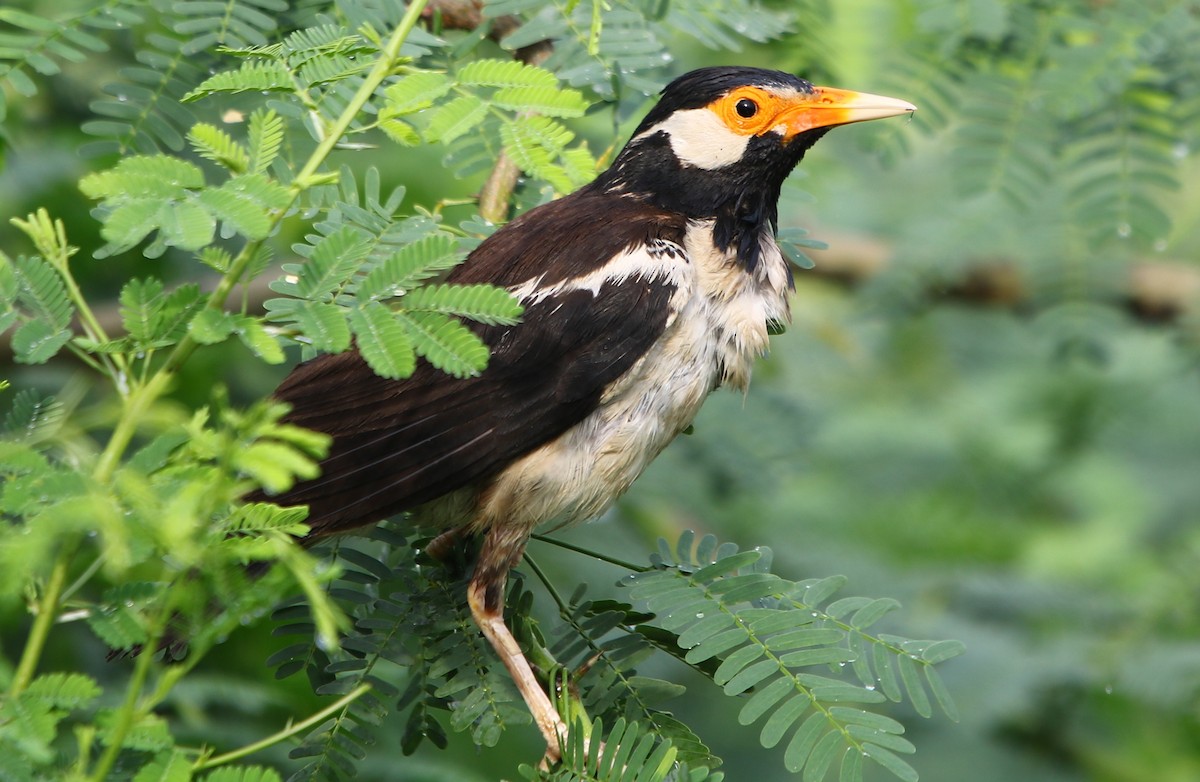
column 721, row 140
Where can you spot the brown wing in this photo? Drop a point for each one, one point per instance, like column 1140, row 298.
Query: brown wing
column 397, row 444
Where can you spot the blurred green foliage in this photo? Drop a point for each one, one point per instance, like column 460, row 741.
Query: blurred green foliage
column 985, row 424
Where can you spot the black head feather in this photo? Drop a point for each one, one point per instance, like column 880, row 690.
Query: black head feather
column 704, row 85
column 741, row 198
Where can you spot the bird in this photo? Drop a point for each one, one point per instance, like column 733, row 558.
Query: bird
column 643, row 292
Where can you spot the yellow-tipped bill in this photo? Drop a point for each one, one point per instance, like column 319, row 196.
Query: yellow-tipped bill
column 829, row 106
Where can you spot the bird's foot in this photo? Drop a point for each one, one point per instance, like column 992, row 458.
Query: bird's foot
column 568, row 708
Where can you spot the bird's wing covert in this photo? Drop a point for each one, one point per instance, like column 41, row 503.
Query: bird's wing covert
column 400, row 443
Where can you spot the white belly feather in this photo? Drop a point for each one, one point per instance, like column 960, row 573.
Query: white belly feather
column 717, row 328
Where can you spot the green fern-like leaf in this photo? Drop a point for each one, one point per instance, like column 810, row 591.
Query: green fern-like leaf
column 505, row 73
column 612, row 688
column 243, row 774
column 538, row 131
column 178, row 308
column 445, row 342
column 261, row 342
column 579, row 164
column 410, row 266
column 483, row 303
column 275, row 466
column 538, row 145
column 416, row 91
column 40, row 291
column 118, row 626
column 540, row 163
column 133, row 219
column 151, row 176
column 250, row 77
column 331, row 69
column 1002, row 149
column 455, row 118
column 322, row 325
column 322, row 40
column 141, row 308
column 32, row 417
column 241, row 22
column 630, row 754
column 31, row 724
column 37, row 342
column 8, row 283
column 411, row 616
column 474, row 153
column 264, row 516
column 142, row 112
column 211, row 326
column 170, row 767
column 245, row 203
column 399, row 131
column 64, row 690
column 550, row 101
column 35, row 43
column 265, row 137
column 540, row 27
column 1122, row 161
column 216, row 145
column 149, row 732
column 957, row 22
column 726, row 25
column 725, row 605
column 332, row 261
column 384, row 343
column 369, row 212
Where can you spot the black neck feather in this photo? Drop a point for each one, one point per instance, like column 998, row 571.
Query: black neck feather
column 742, row 198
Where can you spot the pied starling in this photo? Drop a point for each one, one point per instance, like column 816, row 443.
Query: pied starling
column 643, row 292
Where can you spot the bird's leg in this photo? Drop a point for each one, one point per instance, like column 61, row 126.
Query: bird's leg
column 502, row 549
column 441, row 547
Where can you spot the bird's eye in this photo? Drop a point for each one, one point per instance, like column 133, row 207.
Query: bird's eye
column 746, row 108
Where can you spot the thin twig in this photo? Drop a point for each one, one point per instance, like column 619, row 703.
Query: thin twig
column 286, row 733
column 593, row 554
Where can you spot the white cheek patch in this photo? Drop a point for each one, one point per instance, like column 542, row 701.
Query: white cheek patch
column 699, row 138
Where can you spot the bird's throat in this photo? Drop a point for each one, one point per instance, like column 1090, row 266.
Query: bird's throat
column 741, row 199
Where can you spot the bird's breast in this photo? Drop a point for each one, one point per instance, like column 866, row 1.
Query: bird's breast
column 716, row 329
column 738, row 304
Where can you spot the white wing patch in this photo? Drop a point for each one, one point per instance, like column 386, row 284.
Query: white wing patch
column 659, row 260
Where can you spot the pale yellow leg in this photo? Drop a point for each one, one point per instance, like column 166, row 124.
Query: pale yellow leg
column 491, row 622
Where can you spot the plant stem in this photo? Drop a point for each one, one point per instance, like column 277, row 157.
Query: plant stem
column 128, row 712
column 114, row 363
column 47, row 613
column 142, row 396
column 83, row 578
column 541, row 576
column 595, row 554
column 158, row 383
column 288, row 732
column 136, row 405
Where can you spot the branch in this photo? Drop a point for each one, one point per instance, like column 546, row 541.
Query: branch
column 496, row 194
column 285, row 733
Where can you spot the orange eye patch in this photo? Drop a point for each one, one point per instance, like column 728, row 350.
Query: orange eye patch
column 750, row 111
column 753, row 111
